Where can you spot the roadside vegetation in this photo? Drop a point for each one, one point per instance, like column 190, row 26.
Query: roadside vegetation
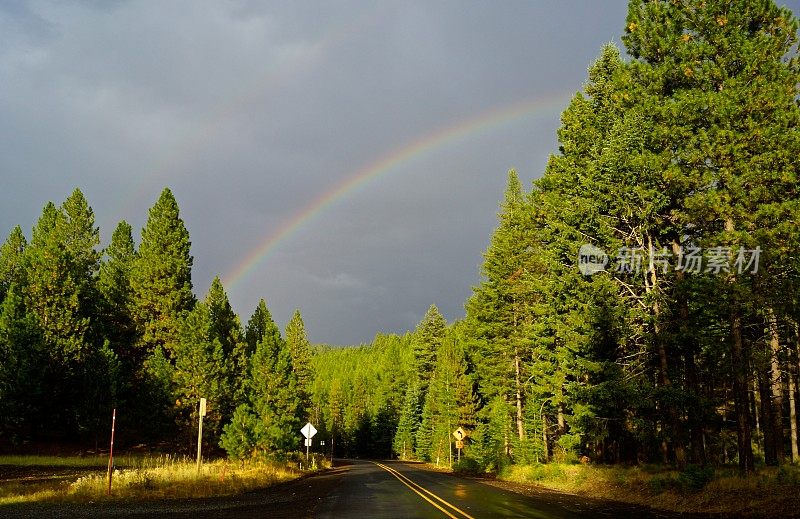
column 83, row 479
column 770, row 493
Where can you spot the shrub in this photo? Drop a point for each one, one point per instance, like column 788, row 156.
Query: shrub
column 661, row 484
column 468, row 465
column 546, row 472
column 788, row 475
column 695, row 478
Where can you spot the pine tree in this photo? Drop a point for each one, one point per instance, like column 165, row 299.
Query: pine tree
column 300, row 350
column 724, row 88
column 257, row 326
column 227, row 329
column 335, row 410
column 114, row 285
column 450, row 402
column 80, row 237
column 61, row 263
column 501, row 309
column 239, row 436
column 427, row 339
column 424, row 438
column 274, row 394
column 225, row 324
column 410, row 416
column 492, row 438
column 200, row 372
column 273, row 398
column 60, row 292
column 22, row 382
column 12, row 267
column 161, row 278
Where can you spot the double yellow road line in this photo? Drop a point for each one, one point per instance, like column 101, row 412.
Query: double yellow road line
column 427, row 495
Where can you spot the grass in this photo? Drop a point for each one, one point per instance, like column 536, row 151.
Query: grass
column 772, row 492
column 81, row 479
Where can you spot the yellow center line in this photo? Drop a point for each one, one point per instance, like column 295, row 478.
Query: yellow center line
column 419, row 489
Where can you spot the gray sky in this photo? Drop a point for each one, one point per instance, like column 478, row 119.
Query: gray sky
column 251, row 111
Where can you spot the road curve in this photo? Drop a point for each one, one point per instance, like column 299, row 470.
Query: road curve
column 361, row 489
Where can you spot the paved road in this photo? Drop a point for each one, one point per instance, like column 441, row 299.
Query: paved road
column 359, row 489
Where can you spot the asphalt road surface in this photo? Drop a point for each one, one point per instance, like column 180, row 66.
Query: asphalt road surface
column 357, row 489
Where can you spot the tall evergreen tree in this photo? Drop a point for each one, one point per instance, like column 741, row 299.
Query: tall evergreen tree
column 723, row 89
column 271, row 419
column 300, row 350
column 200, row 373
column 161, row 278
column 12, row 267
column 500, row 312
column 227, row 329
column 114, row 285
column 225, row 323
column 257, row 326
column 61, row 265
column 22, row 380
column 427, row 339
column 404, row 443
column 450, row 402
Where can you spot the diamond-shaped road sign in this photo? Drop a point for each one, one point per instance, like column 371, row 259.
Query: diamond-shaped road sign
column 308, row 430
column 460, row 434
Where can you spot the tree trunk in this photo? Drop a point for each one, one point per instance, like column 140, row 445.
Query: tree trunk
column 696, row 443
column 754, row 407
column 544, row 438
column 793, row 417
column 739, row 369
column 766, row 419
column 506, row 439
column 740, row 397
column 518, row 381
column 793, row 389
column 775, row 383
column 675, row 433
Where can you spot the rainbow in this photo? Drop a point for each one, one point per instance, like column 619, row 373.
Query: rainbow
column 482, row 123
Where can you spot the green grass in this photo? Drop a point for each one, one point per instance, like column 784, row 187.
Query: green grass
column 52, row 461
column 771, row 492
column 46, row 478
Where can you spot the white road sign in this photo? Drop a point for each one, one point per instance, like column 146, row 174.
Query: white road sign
column 308, row 430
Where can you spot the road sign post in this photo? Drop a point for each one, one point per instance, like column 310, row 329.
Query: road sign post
column 202, row 413
column 308, row 431
column 459, row 434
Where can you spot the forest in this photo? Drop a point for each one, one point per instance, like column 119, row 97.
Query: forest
column 638, row 303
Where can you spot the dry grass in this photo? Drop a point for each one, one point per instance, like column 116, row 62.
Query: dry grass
column 134, row 478
column 770, row 493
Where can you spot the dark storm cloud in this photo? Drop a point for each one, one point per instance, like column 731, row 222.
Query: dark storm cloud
column 251, row 110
